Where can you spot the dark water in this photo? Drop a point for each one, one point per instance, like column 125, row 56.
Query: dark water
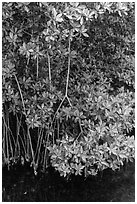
column 21, row 185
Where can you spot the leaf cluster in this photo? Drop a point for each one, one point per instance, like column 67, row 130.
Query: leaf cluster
column 68, row 82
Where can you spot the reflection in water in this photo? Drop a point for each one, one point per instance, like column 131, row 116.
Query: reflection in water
column 21, row 185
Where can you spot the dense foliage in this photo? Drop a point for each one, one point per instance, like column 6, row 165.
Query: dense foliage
column 68, row 85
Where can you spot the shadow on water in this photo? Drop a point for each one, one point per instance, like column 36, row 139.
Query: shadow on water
column 21, row 185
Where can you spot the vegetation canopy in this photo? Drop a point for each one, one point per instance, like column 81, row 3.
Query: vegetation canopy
column 68, row 85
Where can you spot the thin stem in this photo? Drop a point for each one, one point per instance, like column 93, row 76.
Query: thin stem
column 40, row 136
column 38, row 59
column 58, row 108
column 67, row 81
column 37, row 66
column 39, row 147
column 3, row 139
column 58, row 129
column 45, row 154
column 8, row 129
column 6, row 138
column 27, row 68
column 49, row 67
column 23, row 145
column 32, row 152
column 27, row 142
column 81, row 132
column 10, row 146
column 7, row 145
column 4, row 157
column 24, row 138
column 68, row 67
column 17, row 133
column 69, row 101
column 20, row 93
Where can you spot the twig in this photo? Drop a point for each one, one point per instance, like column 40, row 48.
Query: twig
column 58, row 108
column 8, row 128
column 37, row 59
column 45, row 153
column 66, row 93
column 17, row 139
column 32, row 152
column 7, row 144
column 49, row 68
column 58, row 129
column 22, row 144
column 37, row 66
column 69, row 101
column 20, row 94
column 11, row 148
column 27, row 142
column 39, row 142
column 67, row 82
column 81, row 132
column 39, row 148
